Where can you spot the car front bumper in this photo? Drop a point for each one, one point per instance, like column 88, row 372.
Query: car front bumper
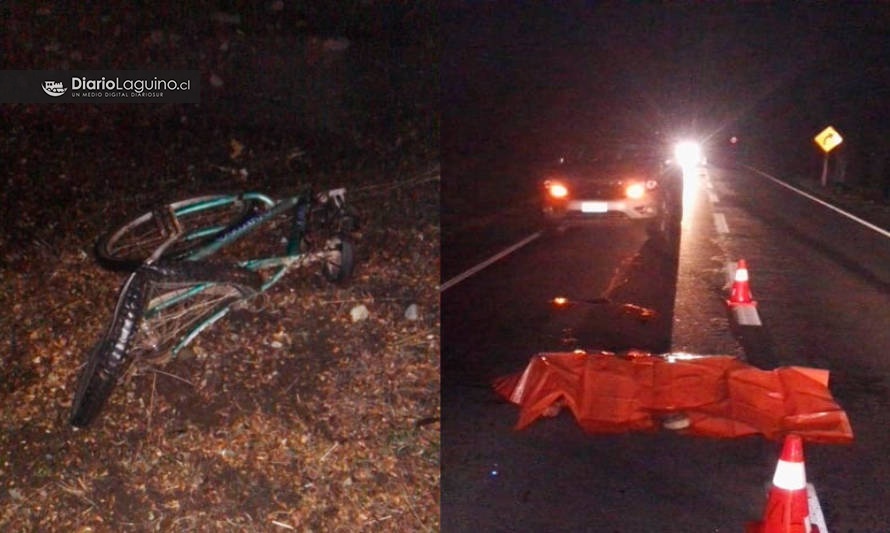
column 593, row 210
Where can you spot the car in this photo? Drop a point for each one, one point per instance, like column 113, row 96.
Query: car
column 617, row 186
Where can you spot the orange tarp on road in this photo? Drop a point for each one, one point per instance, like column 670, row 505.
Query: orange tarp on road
column 719, row 396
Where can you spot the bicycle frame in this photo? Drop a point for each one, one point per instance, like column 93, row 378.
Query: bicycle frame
column 292, row 258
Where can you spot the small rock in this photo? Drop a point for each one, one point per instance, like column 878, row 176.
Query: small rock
column 411, row 312
column 16, row 495
column 359, row 312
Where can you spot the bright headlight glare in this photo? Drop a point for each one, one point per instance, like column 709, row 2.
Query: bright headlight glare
column 635, row 191
column 557, row 190
column 688, row 153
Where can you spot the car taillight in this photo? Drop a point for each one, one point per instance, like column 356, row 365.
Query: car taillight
column 557, row 189
column 635, row 191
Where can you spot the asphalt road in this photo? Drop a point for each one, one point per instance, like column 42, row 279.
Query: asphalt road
column 821, row 281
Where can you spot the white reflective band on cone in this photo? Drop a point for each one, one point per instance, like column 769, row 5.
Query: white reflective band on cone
column 790, row 476
column 741, row 274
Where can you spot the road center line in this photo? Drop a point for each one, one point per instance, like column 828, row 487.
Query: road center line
column 720, row 223
column 851, row 216
column 484, row 264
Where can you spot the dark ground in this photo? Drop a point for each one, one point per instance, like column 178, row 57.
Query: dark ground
column 292, row 417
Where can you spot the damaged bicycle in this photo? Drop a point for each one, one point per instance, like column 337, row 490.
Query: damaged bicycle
column 188, row 271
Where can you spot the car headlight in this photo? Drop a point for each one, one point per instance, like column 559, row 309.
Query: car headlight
column 635, row 191
column 556, row 189
column 688, row 153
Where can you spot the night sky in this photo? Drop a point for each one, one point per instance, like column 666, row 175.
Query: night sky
column 524, row 79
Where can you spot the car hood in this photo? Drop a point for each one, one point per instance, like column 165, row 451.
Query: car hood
column 613, row 175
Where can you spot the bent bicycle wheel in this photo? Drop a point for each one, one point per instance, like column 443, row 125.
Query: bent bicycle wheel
column 110, row 357
column 187, row 301
column 202, row 219
column 160, row 308
column 94, row 386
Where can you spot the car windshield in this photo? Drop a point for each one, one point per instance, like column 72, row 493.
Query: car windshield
column 611, row 160
column 624, row 156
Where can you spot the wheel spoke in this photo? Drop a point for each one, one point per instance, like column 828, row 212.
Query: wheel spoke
column 172, row 313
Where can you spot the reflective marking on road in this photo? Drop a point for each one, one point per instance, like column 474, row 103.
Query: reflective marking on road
column 851, row 216
column 816, row 516
column 746, row 315
column 485, row 264
column 713, row 198
column 720, row 223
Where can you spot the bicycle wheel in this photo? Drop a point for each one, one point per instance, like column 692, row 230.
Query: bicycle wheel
column 185, row 303
column 156, row 307
column 339, row 261
column 93, row 386
column 202, row 219
column 109, row 358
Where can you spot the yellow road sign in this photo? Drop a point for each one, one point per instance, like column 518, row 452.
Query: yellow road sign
column 828, row 139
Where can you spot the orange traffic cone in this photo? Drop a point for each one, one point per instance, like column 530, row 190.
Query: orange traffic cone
column 741, row 290
column 787, row 508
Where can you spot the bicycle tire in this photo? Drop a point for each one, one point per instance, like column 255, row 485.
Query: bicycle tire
column 130, row 244
column 341, row 268
column 110, row 357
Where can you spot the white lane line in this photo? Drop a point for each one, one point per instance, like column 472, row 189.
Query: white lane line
column 851, row 216
column 816, row 516
column 720, row 223
column 713, row 198
column 496, row 257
